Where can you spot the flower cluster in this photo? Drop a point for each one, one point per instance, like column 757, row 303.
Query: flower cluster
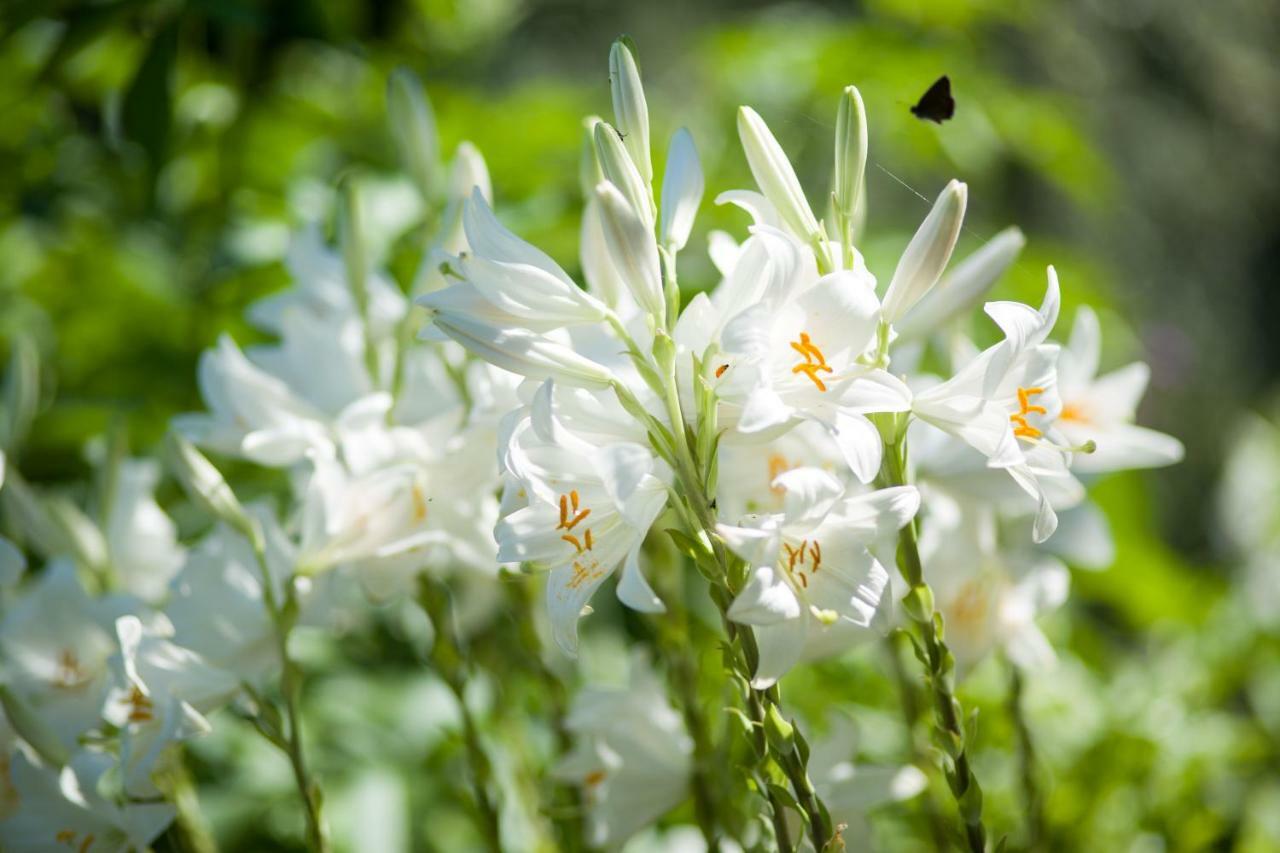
column 836, row 460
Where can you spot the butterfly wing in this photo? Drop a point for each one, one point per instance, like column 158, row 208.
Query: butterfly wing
column 936, row 104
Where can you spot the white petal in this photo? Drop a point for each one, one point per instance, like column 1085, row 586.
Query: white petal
column 622, row 467
column 760, row 209
column 633, row 590
column 758, row 546
column 859, row 443
column 489, row 239
column 766, row 599
column 763, row 410
column 781, row 647
column 682, row 188
column 810, row 493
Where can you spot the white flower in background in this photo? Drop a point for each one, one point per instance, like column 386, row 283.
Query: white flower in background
column 216, row 604
column 142, row 541
column 592, row 489
column 990, row 595
column 1102, row 408
column 851, row 789
column 252, row 413
column 56, row 643
column 1249, row 512
column 812, row 568
column 67, row 810
column 160, row 695
column 631, row 758
column 748, row 471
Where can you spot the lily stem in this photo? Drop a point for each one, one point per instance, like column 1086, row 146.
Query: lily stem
column 567, row 814
column 1031, row 798
column 449, row 663
column 911, row 717
column 283, row 616
column 932, row 651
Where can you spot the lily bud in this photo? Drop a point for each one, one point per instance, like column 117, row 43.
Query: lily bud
column 851, row 151
column 619, row 170
column 589, row 171
column 413, row 127
column 205, row 485
column 682, row 188
column 351, row 237
column 774, row 175
column 21, row 393
column 469, row 173
column 927, row 254
column 629, row 108
column 963, row 287
column 632, row 247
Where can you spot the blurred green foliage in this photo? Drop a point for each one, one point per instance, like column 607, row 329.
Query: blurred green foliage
column 157, row 153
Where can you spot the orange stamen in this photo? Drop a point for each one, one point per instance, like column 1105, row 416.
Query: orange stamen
column 720, row 370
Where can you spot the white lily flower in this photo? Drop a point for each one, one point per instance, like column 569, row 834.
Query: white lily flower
column 851, row 789
column 56, row 643
column 631, row 759
column 812, row 570
column 160, row 695
column 252, row 413
column 1005, row 400
column 593, row 489
column 1102, row 408
column 928, row 253
column 794, row 355
column 216, row 601
column 65, row 810
column 989, row 596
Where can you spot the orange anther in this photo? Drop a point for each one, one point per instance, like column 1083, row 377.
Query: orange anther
column 573, row 540
column 720, row 370
column 586, row 537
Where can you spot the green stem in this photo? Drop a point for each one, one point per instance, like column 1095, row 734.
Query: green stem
column 939, row 665
column 916, row 751
column 282, row 618
column 567, row 802
column 742, row 637
column 1031, row 798
column 449, row 663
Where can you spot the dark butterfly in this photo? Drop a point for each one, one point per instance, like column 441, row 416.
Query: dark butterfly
column 936, row 104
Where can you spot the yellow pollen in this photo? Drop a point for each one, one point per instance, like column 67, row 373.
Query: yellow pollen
column 814, row 360
column 568, row 522
column 70, row 672
column 778, row 464
column 1022, row 429
column 419, row 504
column 1074, row 412
column 140, row 706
